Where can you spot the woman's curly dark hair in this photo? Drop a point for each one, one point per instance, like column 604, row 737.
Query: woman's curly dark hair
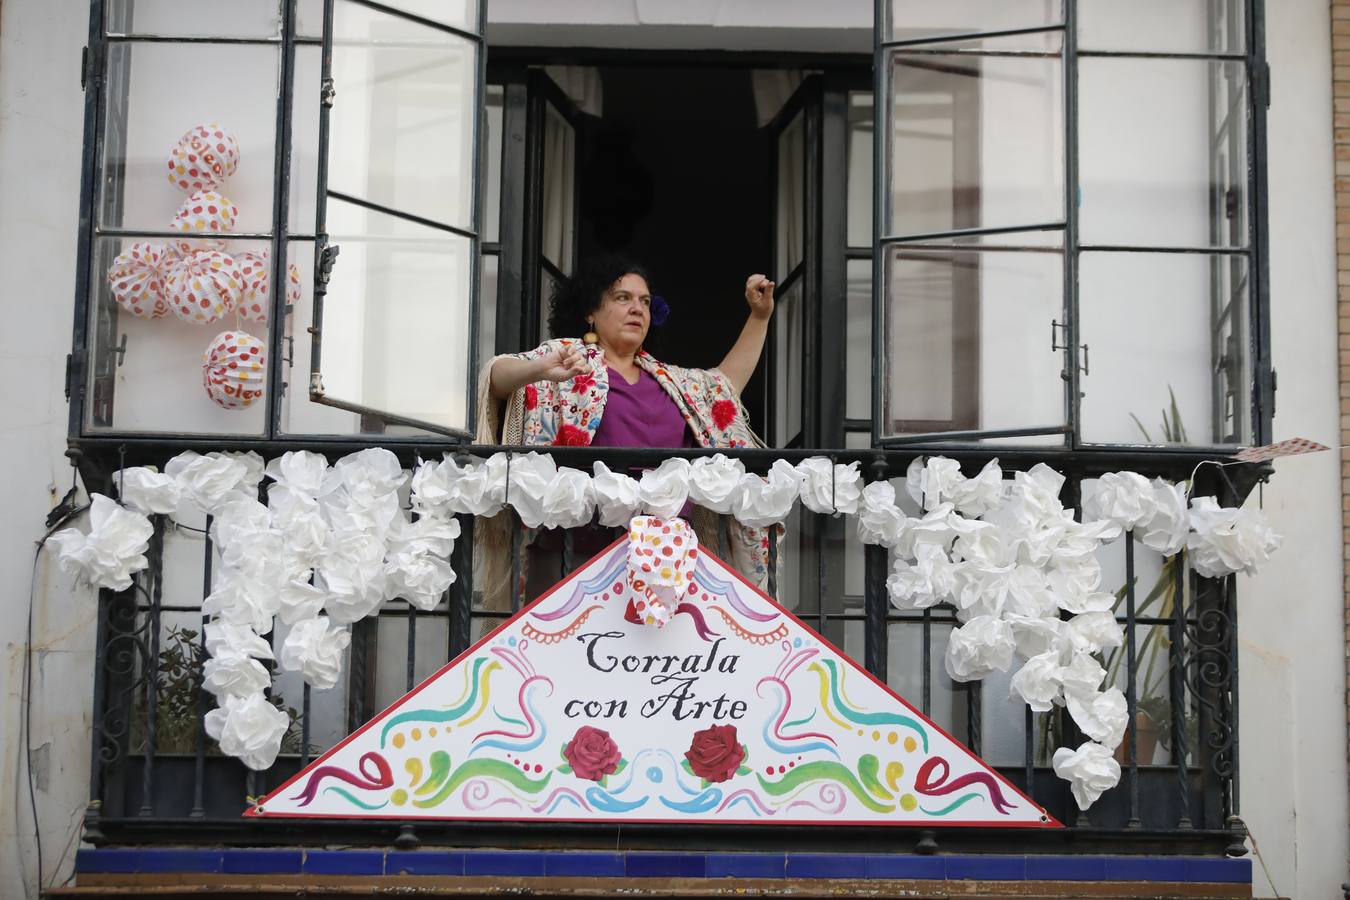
column 570, row 303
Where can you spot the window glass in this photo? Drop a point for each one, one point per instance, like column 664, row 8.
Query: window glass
column 194, row 18
column 911, row 19
column 860, row 142
column 1162, row 26
column 791, row 205
column 788, row 361
column 560, row 168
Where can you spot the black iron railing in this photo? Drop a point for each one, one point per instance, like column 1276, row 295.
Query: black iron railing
column 156, row 775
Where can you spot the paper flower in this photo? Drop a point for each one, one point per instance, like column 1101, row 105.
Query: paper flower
column 980, row 495
column 249, row 729
column 299, row 599
column 137, row 279
column 314, row 649
column 1083, row 675
column 203, row 159
column 417, row 566
column 1038, row 682
column 247, row 541
column 354, row 578
column 665, row 489
column 617, row 497
column 763, row 502
column 299, row 471
column 1095, row 631
column 1125, row 498
column 531, row 474
column 980, row 647
column 930, row 580
column 204, row 214
column 715, row 482
column 240, row 600
column 1165, row 531
column 148, row 491
column 203, row 286
column 1074, row 587
column 931, row 481
column 368, row 476
column 234, row 676
column 477, row 488
column 227, row 639
column 255, row 302
column 1091, row 770
column 1101, row 716
column 113, row 549
column 940, row 526
column 879, row 520
column 829, row 489
column 569, row 501
column 1225, row 540
column 1035, row 635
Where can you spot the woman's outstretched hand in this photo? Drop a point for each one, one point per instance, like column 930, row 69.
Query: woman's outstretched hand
column 563, row 364
column 759, row 294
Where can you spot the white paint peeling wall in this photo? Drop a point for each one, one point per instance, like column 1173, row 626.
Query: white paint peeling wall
column 1292, row 666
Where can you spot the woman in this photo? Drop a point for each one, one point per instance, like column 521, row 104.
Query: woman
column 593, row 384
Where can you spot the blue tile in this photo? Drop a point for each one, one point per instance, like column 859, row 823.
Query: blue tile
column 107, row 861
column 180, row 861
column 906, row 867
column 262, row 862
column 504, row 863
column 746, row 865
column 593, row 865
column 1227, row 871
column 1145, row 868
column 424, row 862
column 344, row 862
column 986, row 868
column 1066, row 868
column 826, row 865
column 670, row 865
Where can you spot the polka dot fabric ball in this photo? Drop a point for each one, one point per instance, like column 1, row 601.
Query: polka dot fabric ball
column 204, row 286
column 205, row 214
column 234, row 369
column 203, row 159
column 137, row 279
column 256, row 267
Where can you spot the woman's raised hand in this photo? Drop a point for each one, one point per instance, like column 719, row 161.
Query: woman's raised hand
column 759, row 294
column 564, row 363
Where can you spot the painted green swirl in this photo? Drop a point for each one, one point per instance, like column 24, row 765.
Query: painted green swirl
column 955, row 804
column 865, row 718
column 440, row 770
column 823, row 770
column 868, row 766
column 479, row 685
column 334, row 789
column 486, row 768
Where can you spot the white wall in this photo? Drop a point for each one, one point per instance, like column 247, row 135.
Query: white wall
column 1292, row 624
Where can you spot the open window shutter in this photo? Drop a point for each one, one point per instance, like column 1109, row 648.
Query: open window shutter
column 395, row 311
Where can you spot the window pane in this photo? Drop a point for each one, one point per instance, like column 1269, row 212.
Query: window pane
column 304, row 189
column 1163, row 152
column 194, row 18
column 402, row 121
column 788, row 360
column 560, row 168
column 146, row 374
column 1169, row 338
column 791, row 206
column 922, row 18
column 858, row 341
column 1162, row 26
column 976, row 141
column 860, row 132
column 968, row 339
column 487, row 308
column 396, row 317
column 494, row 99
column 149, row 112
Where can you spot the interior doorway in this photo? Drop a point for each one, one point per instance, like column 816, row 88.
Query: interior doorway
column 676, row 173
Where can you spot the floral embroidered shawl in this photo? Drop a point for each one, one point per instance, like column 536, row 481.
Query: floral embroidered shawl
column 568, row 413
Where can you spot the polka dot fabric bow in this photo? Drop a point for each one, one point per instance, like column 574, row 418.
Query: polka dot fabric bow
column 233, row 369
column 661, row 558
column 203, row 158
column 137, row 279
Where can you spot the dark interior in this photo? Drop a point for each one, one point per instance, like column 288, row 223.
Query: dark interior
column 677, row 176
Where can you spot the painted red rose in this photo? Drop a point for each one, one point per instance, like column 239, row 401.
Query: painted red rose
column 531, row 396
column 715, row 753
column 572, row 436
column 723, row 413
column 592, row 753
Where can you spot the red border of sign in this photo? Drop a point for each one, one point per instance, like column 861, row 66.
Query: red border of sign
column 1048, row 822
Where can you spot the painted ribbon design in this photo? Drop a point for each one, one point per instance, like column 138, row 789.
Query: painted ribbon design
column 381, row 778
column 931, row 782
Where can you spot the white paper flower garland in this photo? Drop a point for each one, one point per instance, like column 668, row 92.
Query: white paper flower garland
column 332, row 544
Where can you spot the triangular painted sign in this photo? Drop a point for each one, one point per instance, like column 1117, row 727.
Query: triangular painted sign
column 734, row 712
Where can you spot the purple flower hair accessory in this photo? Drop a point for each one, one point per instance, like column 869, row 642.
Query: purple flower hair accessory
column 660, row 310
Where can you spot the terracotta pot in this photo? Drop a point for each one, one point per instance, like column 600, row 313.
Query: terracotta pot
column 1147, row 741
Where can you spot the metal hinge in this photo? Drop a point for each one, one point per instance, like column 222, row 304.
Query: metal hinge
column 1055, row 327
column 315, row 385
column 328, row 254
column 327, row 92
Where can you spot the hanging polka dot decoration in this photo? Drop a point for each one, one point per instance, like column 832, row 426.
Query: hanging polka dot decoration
column 233, row 369
column 257, row 271
column 204, row 214
column 204, row 286
column 137, row 278
column 203, row 159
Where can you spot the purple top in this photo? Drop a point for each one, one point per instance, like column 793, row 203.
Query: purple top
column 641, row 415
